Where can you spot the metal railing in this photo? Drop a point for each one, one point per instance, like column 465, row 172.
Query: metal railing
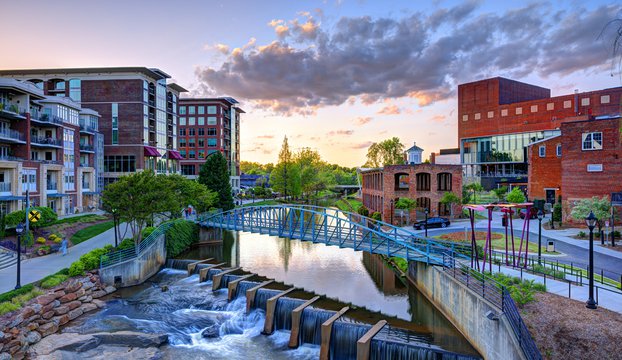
column 46, row 118
column 51, row 186
column 119, row 256
column 530, row 349
column 10, row 108
column 45, row 141
column 12, row 134
column 86, row 147
column 5, row 186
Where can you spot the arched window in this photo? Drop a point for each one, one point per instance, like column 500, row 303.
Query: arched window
column 401, row 181
column 423, row 182
column 423, row 203
column 444, row 181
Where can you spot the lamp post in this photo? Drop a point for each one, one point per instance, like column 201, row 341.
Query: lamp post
column 540, row 217
column 391, row 211
column 552, row 222
column 591, row 223
column 19, row 229
column 426, row 221
column 114, row 220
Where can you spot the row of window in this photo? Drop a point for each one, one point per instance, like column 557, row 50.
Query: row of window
column 201, row 142
column 191, row 121
column 200, row 131
column 193, row 154
column 191, row 110
column 604, row 99
column 589, row 141
column 423, row 181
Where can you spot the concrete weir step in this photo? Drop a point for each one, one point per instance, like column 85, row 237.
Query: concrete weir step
column 296, row 316
column 233, row 285
column 363, row 345
column 250, row 294
column 203, row 272
column 193, row 265
column 270, row 307
column 327, row 329
column 218, row 277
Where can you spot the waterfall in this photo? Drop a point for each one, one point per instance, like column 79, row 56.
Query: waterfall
column 311, row 323
column 178, row 264
column 224, row 282
column 343, row 339
column 262, row 296
column 212, row 272
column 283, row 312
column 198, row 267
column 381, row 349
column 243, row 286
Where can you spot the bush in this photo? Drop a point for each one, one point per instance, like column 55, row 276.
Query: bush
column 581, row 234
column 48, row 216
column 24, row 298
column 147, row 231
column 126, row 244
column 7, row 296
column 515, row 196
column 7, row 307
column 180, row 236
column 41, row 240
column 557, row 212
column 376, row 216
column 362, row 210
column 54, row 280
column 90, row 260
column 523, row 293
column 76, row 269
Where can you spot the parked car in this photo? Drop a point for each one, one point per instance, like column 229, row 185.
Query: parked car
column 533, row 213
column 433, row 222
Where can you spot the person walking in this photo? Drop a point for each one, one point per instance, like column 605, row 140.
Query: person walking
column 63, row 246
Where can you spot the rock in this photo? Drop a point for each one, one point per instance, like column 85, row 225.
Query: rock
column 211, row 332
column 73, row 287
column 133, row 339
column 14, row 343
column 63, row 309
column 164, row 288
column 16, row 321
column 36, row 307
column 33, row 337
column 86, row 299
column 5, row 356
column 67, row 298
column 48, row 315
column 65, row 341
column 32, row 326
column 87, row 284
column 5, row 337
column 59, row 294
column 45, row 299
column 110, row 289
column 50, row 306
column 99, row 293
column 73, row 304
column 48, row 329
column 100, row 304
column 27, row 312
column 33, row 318
column 80, row 293
column 75, row 313
column 62, row 319
column 88, row 307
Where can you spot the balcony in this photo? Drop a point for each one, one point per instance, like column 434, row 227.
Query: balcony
column 87, row 148
column 52, row 186
column 50, row 162
column 5, row 187
column 227, row 114
column 45, row 141
column 10, row 158
column 84, row 164
column 45, row 119
column 9, row 135
column 9, row 109
column 86, row 185
column 87, row 129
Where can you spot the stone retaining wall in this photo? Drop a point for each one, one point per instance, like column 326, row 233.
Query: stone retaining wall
column 45, row 314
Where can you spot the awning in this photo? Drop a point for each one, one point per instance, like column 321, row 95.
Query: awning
column 175, row 155
column 57, row 195
column 90, row 193
column 151, row 151
column 12, row 198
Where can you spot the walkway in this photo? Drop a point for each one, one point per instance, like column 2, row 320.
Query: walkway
column 39, row 267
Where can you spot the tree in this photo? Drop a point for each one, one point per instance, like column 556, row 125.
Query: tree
column 516, row 196
column 214, row 174
column 386, row 152
column 308, row 162
column 600, row 206
column 450, row 198
column 187, row 192
column 137, row 197
column 285, row 177
column 473, row 188
column 405, row 204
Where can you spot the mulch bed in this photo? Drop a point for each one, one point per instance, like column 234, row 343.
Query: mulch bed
column 565, row 329
column 479, row 235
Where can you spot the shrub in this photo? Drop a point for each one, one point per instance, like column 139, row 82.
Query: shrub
column 376, row 216
column 7, row 296
column 76, row 269
column 557, row 212
column 362, row 210
column 57, row 240
column 48, row 216
column 24, row 298
column 523, row 293
column 126, row 244
column 41, row 240
column 91, row 259
column 581, row 234
column 147, row 231
column 54, row 280
column 7, row 307
column 180, row 236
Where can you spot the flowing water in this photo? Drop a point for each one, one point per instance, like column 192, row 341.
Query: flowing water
column 201, row 324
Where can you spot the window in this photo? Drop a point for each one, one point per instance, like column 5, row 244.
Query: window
column 550, row 106
column 191, row 110
column 567, row 104
column 201, row 131
column 187, row 170
column 443, row 209
column 201, row 110
column 519, row 110
column 585, row 102
column 211, row 142
column 444, row 181
column 182, row 110
column 201, row 142
column 423, row 203
column 592, row 141
column 478, row 116
column 211, row 120
column 201, row 154
column 182, row 142
column 29, row 179
column 191, row 142
column 594, row 167
column 191, row 132
column 423, row 182
column 201, row 121
column 182, row 152
column 182, row 121
column 182, row 132
column 191, row 121
column 75, row 92
column 191, row 154
column 401, row 181
column 211, row 131
column 558, row 150
column 491, row 114
column 534, row 108
column 115, row 123
column 542, row 151
column 120, row 163
column 211, row 110
column 605, row 99
column 465, row 117
column 504, row 112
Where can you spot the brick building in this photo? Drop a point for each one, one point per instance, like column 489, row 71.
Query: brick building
column 498, row 117
column 138, row 111
column 422, row 182
column 49, row 146
column 585, row 160
column 208, row 125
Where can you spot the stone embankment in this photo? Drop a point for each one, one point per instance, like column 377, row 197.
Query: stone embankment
column 45, row 314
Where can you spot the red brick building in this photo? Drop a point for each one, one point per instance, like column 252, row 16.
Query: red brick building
column 498, row 117
column 585, row 160
column 207, row 125
column 422, row 182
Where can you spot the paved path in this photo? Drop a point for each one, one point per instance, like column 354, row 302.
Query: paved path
column 39, row 267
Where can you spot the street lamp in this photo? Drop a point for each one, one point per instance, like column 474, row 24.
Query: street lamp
column 391, row 211
column 426, row 221
column 540, row 217
column 591, row 223
column 114, row 220
column 19, row 229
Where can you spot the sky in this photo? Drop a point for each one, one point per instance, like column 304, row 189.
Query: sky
column 332, row 75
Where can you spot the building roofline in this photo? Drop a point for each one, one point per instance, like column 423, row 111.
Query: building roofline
column 23, row 86
column 177, row 87
column 61, row 100
column 151, row 72
column 543, row 140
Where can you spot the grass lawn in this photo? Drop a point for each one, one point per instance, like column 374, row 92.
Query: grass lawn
column 89, row 232
column 498, row 240
column 82, row 218
column 349, row 205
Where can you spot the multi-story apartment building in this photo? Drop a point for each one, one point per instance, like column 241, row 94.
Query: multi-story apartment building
column 207, row 125
column 44, row 151
column 138, row 110
column 498, row 118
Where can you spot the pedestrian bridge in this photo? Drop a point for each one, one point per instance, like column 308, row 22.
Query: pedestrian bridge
column 330, row 226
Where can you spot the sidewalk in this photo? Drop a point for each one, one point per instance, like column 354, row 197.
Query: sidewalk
column 39, row 267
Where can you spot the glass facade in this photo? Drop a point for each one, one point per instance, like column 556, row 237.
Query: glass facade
column 75, row 90
column 115, row 123
column 69, row 159
column 500, row 148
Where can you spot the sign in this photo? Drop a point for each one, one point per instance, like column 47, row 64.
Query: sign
column 616, row 198
column 34, row 216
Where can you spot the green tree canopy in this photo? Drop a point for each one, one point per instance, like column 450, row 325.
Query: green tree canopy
column 516, row 196
column 450, row 198
column 600, row 206
column 386, row 152
column 285, row 177
column 405, row 204
column 187, row 192
column 214, row 174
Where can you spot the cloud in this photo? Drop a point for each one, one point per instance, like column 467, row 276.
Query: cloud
column 363, row 145
column 340, row 132
column 265, row 137
column 419, row 56
column 362, row 120
column 438, row 118
column 389, row 110
column 261, row 148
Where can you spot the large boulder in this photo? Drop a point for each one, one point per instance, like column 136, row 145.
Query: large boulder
column 133, row 339
column 211, row 331
column 65, row 341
